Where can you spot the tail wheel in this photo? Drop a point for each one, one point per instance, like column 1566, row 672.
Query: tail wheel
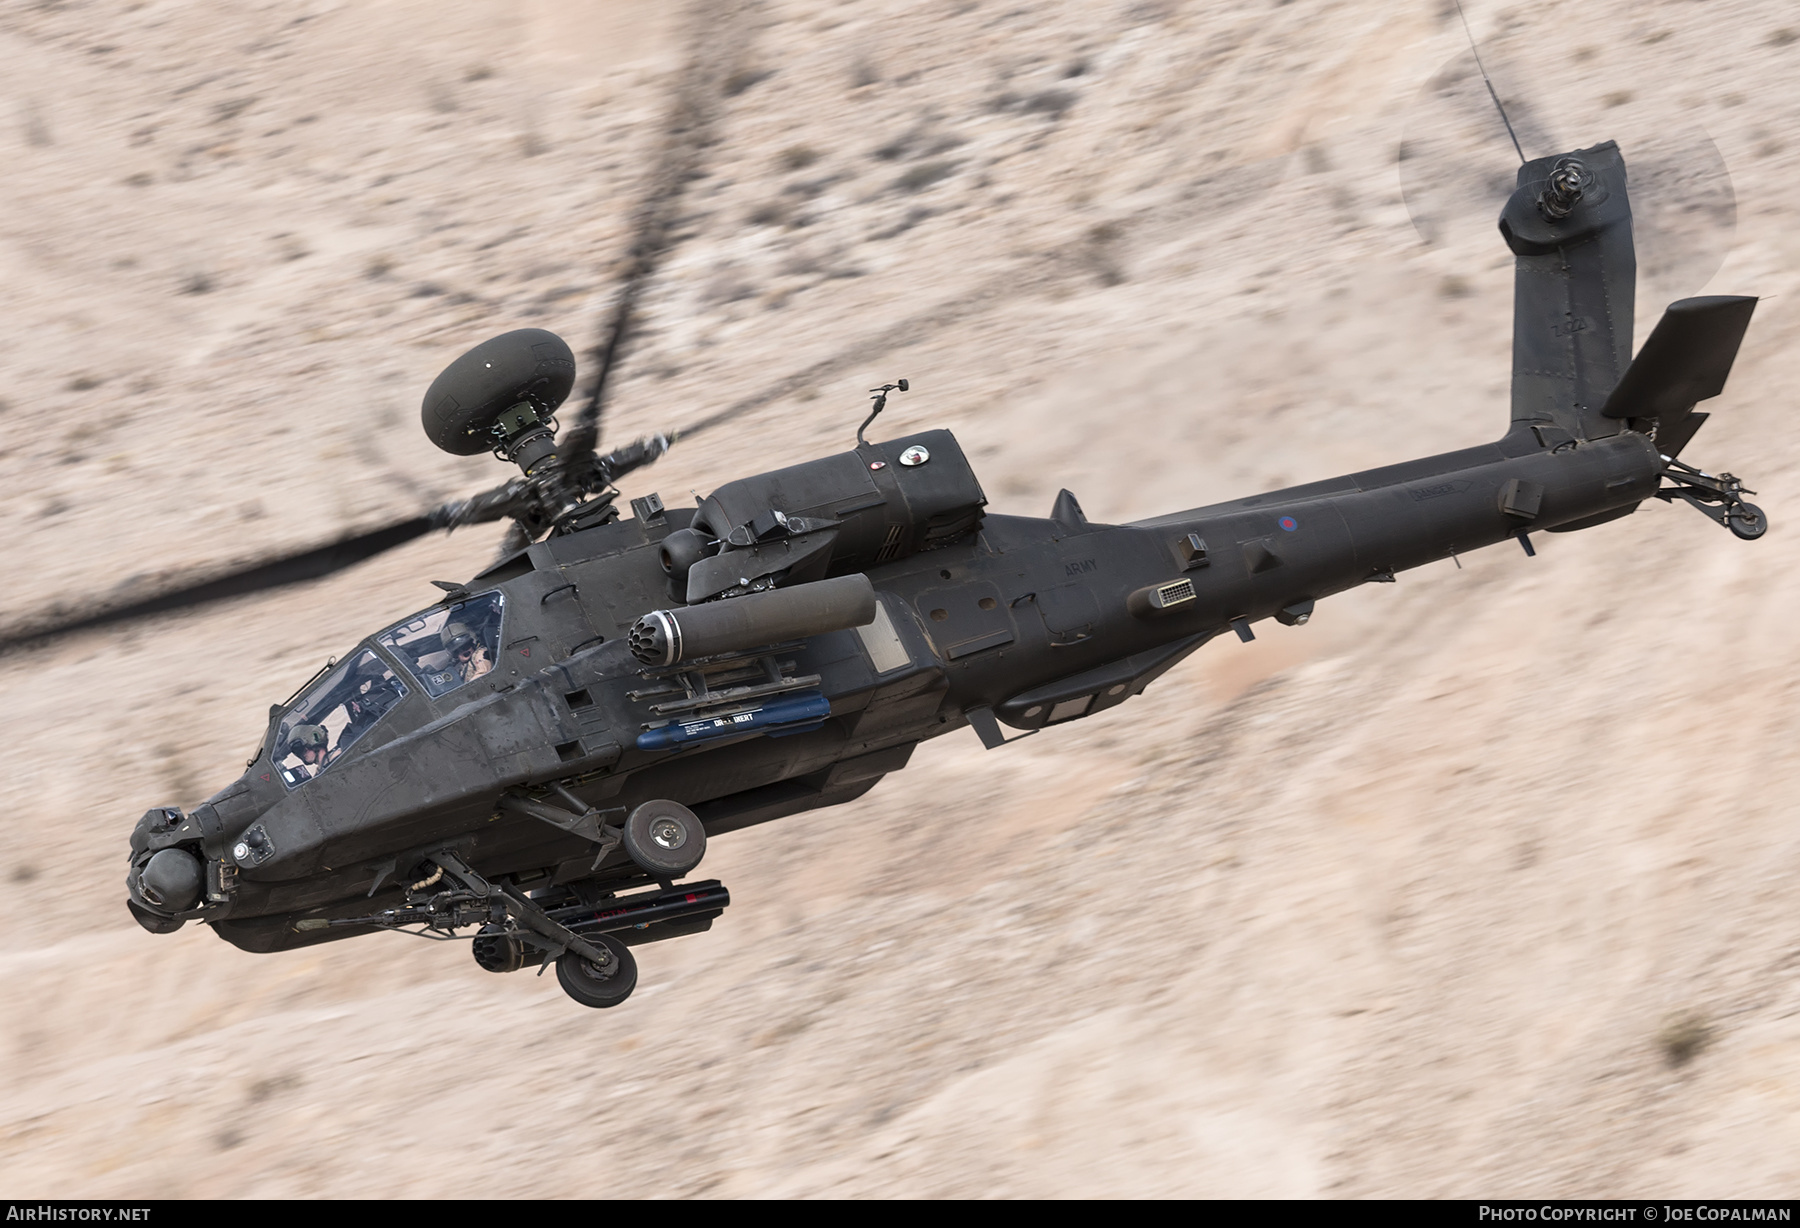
column 1747, row 521
column 665, row 838
column 593, row 985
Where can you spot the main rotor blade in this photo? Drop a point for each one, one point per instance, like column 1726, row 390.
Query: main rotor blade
column 498, row 503
column 579, row 441
column 688, row 129
column 253, row 578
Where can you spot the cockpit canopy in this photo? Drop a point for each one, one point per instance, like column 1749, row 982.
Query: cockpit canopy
column 447, row 646
column 335, row 711
column 442, row 648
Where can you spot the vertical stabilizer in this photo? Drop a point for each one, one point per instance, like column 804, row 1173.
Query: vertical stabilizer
column 1569, row 227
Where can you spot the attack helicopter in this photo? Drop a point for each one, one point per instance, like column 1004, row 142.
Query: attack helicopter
column 537, row 761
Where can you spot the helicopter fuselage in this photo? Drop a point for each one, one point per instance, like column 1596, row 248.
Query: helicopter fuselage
column 1031, row 622
column 578, row 720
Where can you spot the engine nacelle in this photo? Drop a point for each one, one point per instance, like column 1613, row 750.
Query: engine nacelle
column 882, row 502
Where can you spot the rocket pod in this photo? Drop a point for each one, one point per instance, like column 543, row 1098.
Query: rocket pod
column 735, row 624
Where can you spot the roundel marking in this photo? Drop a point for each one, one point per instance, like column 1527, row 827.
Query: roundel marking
column 1288, row 524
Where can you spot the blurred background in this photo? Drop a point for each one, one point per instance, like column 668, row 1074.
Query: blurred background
column 1481, row 883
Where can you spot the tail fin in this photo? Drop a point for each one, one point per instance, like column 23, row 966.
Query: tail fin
column 1685, row 361
column 1575, row 277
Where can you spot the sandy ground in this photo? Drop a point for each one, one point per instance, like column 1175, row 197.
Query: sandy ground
column 1482, row 883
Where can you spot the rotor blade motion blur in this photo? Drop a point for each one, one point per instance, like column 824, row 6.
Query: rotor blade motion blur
column 1457, row 157
column 537, row 503
column 310, row 564
column 693, row 115
column 512, row 499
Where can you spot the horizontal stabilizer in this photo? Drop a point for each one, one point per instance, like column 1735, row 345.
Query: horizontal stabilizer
column 1671, row 439
column 1685, row 361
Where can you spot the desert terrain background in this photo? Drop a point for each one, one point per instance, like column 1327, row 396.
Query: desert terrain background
column 1483, row 883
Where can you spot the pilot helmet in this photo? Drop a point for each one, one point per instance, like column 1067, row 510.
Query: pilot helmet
column 307, row 737
column 457, row 637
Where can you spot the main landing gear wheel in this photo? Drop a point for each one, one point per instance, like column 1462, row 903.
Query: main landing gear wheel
column 592, row 985
column 1747, row 521
column 665, row 838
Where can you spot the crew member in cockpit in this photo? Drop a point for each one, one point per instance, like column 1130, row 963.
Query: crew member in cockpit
column 369, row 703
column 364, row 710
column 308, row 743
column 468, row 655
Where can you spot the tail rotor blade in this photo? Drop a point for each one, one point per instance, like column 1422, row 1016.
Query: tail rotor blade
column 1458, row 165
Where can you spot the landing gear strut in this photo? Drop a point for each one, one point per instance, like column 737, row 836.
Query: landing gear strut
column 584, row 929
column 1721, row 498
